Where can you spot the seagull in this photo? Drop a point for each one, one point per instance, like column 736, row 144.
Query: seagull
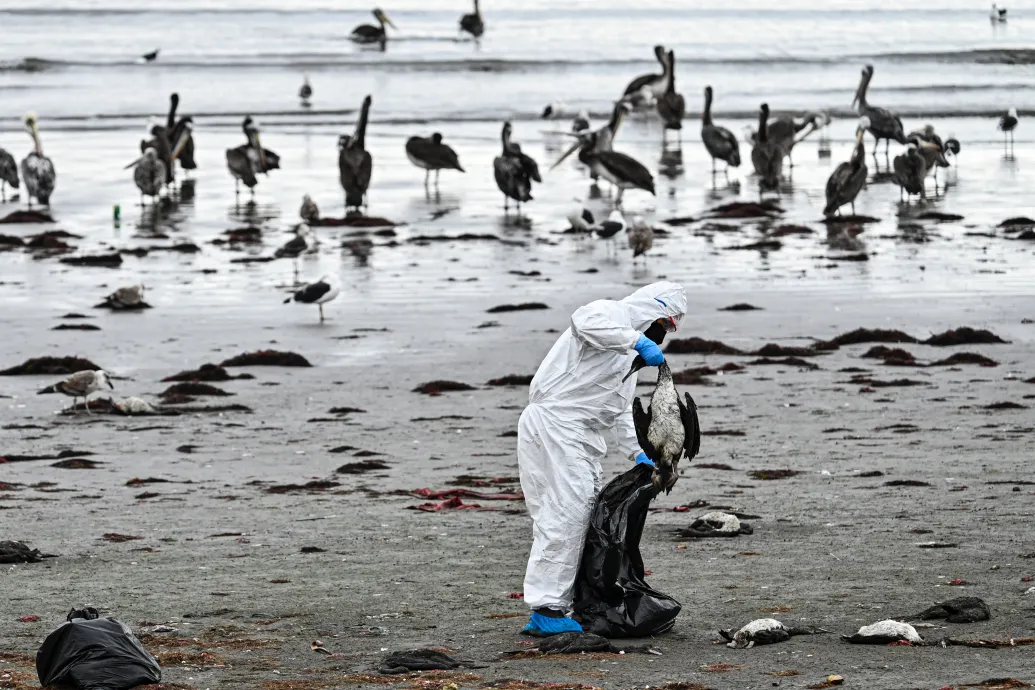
column 296, row 246
column 309, row 212
column 129, row 297
column 152, row 56
column 641, row 237
column 581, row 219
column 1008, row 123
column 609, row 229
column 998, row 14
column 306, row 92
column 80, row 385
column 317, row 293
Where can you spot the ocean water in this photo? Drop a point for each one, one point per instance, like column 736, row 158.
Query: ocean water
column 75, row 62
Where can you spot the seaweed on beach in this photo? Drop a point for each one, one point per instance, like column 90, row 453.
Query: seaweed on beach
column 206, row 372
column 891, row 355
column 267, row 358
column 700, row 346
column 865, row 335
column 75, row 327
column 189, row 388
column 439, row 387
column 511, row 380
column 964, row 336
column 524, row 306
column 741, row 306
column 772, row 474
column 113, row 260
column 314, row 486
column 362, row 466
column 50, row 366
column 786, row 361
column 26, row 216
column 965, row 358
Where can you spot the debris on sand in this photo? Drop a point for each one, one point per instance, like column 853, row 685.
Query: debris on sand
column 116, row 538
column 740, row 209
column 75, row 327
column 894, row 356
column 992, row 644
column 965, row 358
column 869, row 381
column 761, row 632
column 958, row 610
column 189, row 388
column 772, row 474
column 511, row 380
column 786, row 361
column 713, row 465
column 786, row 230
column 885, row 632
column 760, row 245
column 938, row 216
column 721, row 667
column 26, row 216
column 1018, row 221
column 524, row 306
column 267, row 358
column 77, row 464
column 451, row 504
column 1005, row 405
column 964, row 336
column 354, row 221
column 741, row 306
column 113, row 260
column 11, row 241
column 206, row 372
column 439, row 387
column 19, row 552
column 464, row 493
column 362, row 466
column 576, row 643
column 57, row 456
column 479, row 481
column 849, row 220
column 422, row 660
column 906, row 482
column 774, row 350
column 700, row 346
column 937, row 545
column 315, row 485
column 865, row 335
column 50, row 366
column 715, row 524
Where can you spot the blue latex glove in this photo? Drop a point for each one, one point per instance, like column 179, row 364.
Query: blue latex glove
column 650, row 351
column 642, row 459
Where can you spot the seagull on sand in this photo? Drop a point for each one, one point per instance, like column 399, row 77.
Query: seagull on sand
column 80, row 385
column 318, row 293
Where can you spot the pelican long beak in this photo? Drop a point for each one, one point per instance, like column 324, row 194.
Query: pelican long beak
column 859, row 132
column 574, row 147
column 134, row 163
column 181, row 142
column 262, row 154
column 386, row 20
column 36, row 138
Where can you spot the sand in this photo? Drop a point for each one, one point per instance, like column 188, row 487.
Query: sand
column 829, row 548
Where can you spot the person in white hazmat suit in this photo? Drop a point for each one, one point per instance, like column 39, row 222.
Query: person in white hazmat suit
column 576, row 397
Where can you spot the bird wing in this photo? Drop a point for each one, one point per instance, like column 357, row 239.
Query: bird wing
column 627, row 168
column 8, row 169
column 312, row 292
column 530, row 167
column 691, row 427
column 241, row 167
column 638, row 83
column 721, row 143
column 641, row 422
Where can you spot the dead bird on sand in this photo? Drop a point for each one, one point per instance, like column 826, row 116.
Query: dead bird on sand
column 80, row 385
column 764, row 631
column 958, row 610
column 129, row 297
column 668, row 429
column 885, row 632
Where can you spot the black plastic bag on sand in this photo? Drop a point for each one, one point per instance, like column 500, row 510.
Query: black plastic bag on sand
column 95, row 654
column 612, row 598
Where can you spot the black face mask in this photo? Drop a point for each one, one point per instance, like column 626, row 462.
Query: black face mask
column 656, row 332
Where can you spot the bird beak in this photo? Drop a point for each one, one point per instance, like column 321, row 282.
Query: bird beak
column 574, row 147
column 134, row 163
column 637, row 364
column 110, row 385
column 386, row 20
column 182, row 142
column 258, row 147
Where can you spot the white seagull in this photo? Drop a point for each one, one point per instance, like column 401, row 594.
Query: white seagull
column 318, row 293
column 80, row 385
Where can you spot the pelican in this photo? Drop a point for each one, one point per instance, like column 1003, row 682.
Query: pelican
column 671, row 105
column 998, row 14
column 180, row 134
column 784, row 131
column 354, row 161
column 306, row 91
column 766, row 154
column 636, row 93
column 250, row 159
column 513, row 174
column 883, row 123
column 719, row 141
column 37, row 169
column 149, row 175
column 910, row 169
column 431, row 154
column 367, row 33
column 472, row 23
column 848, row 179
column 8, row 173
column 309, row 212
column 621, row 170
column 934, row 156
column 318, row 293
column 159, row 141
column 1007, row 124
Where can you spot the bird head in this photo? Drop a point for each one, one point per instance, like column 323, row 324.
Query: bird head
column 101, row 376
column 383, row 18
column 1013, row 113
column 547, row 112
column 436, row 137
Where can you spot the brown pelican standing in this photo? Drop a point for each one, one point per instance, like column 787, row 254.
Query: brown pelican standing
column 367, row 33
column 621, row 170
column 671, row 105
column 910, row 168
column 766, row 154
column 250, row 159
column 149, row 175
column 784, row 131
column 354, row 161
column 431, row 154
column 849, row 178
column 636, row 93
column 719, row 141
column 306, row 91
column 1007, row 124
column 934, row 155
column 883, row 123
column 159, row 141
column 180, row 134
column 472, row 23
column 37, row 169
column 8, row 173
column 514, row 171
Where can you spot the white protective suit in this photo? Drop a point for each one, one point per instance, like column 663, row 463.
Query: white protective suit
column 575, row 398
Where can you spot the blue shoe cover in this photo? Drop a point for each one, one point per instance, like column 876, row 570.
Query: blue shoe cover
column 544, row 626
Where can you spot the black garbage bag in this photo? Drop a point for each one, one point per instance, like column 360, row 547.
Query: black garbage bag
column 611, row 597
column 95, row 654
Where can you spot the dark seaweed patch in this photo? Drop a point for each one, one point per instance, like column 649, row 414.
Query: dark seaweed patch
column 206, row 372
column 964, row 336
column 1006, row 405
column 51, row 366
column 75, row 327
column 441, row 386
column 865, row 335
column 511, row 380
column 113, row 260
column 362, row 466
column 965, row 358
column 700, row 346
column 77, row 464
column 26, row 216
column 906, row 482
column 772, row 474
column 524, row 306
column 315, row 485
column 741, row 306
column 267, row 358
column 786, row 361
column 191, row 388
